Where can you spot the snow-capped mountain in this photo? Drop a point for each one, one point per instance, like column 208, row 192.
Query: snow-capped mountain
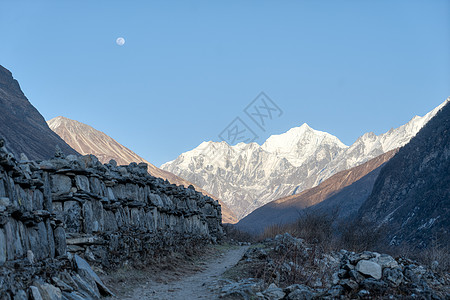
column 247, row 176
column 300, row 143
column 370, row 145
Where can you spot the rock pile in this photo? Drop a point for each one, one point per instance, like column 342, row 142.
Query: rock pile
column 335, row 275
column 56, row 212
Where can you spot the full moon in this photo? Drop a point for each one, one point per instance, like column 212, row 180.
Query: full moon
column 120, row 41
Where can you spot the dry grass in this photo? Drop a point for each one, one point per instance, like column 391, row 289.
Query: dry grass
column 314, row 229
column 232, row 233
column 357, row 236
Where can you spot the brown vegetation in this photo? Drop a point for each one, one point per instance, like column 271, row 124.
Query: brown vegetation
column 358, row 236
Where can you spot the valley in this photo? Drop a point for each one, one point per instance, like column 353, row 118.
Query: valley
column 302, row 216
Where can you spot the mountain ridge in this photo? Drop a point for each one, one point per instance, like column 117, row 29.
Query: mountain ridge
column 247, row 176
column 288, row 209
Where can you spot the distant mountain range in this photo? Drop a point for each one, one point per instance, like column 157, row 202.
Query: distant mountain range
column 339, row 197
column 247, row 176
column 22, row 126
column 87, row 140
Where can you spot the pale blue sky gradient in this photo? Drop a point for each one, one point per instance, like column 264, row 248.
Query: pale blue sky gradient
column 188, row 68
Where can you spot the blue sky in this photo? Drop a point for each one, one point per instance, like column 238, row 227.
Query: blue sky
column 188, row 68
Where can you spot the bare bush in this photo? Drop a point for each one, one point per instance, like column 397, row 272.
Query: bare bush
column 232, row 233
column 316, row 229
column 359, row 236
column 273, row 230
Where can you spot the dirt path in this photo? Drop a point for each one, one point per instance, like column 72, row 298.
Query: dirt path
column 193, row 286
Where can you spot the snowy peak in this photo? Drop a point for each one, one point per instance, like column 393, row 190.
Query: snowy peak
column 299, row 143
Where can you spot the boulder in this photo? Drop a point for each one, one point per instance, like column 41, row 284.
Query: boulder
column 299, row 292
column 274, row 292
column 369, row 268
column 49, row 292
column 386, row 261
column 34, row 293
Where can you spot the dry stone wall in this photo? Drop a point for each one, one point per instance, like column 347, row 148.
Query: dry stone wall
column 52, row 210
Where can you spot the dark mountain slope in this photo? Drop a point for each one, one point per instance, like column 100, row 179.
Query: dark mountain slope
column 411, row 196
column 288, row 209
column 22, row 126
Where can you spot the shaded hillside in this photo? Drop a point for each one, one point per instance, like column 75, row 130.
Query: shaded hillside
column 21, row 124
column 411, row 196
column 87, row 140
column 288, row 209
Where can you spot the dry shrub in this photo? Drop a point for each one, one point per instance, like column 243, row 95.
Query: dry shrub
column 359, row 236
column 232, row 233
column 316, row 229
column 289, row 264
column 436, row 256
column 273, row 230
column 435, row 253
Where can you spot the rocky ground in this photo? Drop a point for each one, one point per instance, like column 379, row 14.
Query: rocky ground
column 287, row 268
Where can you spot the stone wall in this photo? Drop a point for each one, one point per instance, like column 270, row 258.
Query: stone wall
column 108, row 214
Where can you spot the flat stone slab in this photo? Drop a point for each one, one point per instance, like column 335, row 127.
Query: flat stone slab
column 369, row 268
column 83, row 265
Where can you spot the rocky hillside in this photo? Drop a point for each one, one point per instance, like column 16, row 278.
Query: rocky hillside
column 247, row 176
column 411, row 196
column 87, row 140
column 22, row 126
column 342, row 194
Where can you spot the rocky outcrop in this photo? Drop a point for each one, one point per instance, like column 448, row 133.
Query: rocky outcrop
column 287, row 267
column 57, row 215
column 411, row 196
column 87, row 140
column 22, row 126
column 341, row 196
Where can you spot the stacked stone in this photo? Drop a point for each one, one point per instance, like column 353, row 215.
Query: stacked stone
column 27, row 221
column 52, row 210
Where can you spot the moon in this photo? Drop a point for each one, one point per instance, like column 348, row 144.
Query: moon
column 120, row 41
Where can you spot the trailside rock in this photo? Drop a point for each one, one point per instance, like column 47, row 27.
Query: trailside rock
column 274, row 292
column 369, row 268
column 310, row 274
